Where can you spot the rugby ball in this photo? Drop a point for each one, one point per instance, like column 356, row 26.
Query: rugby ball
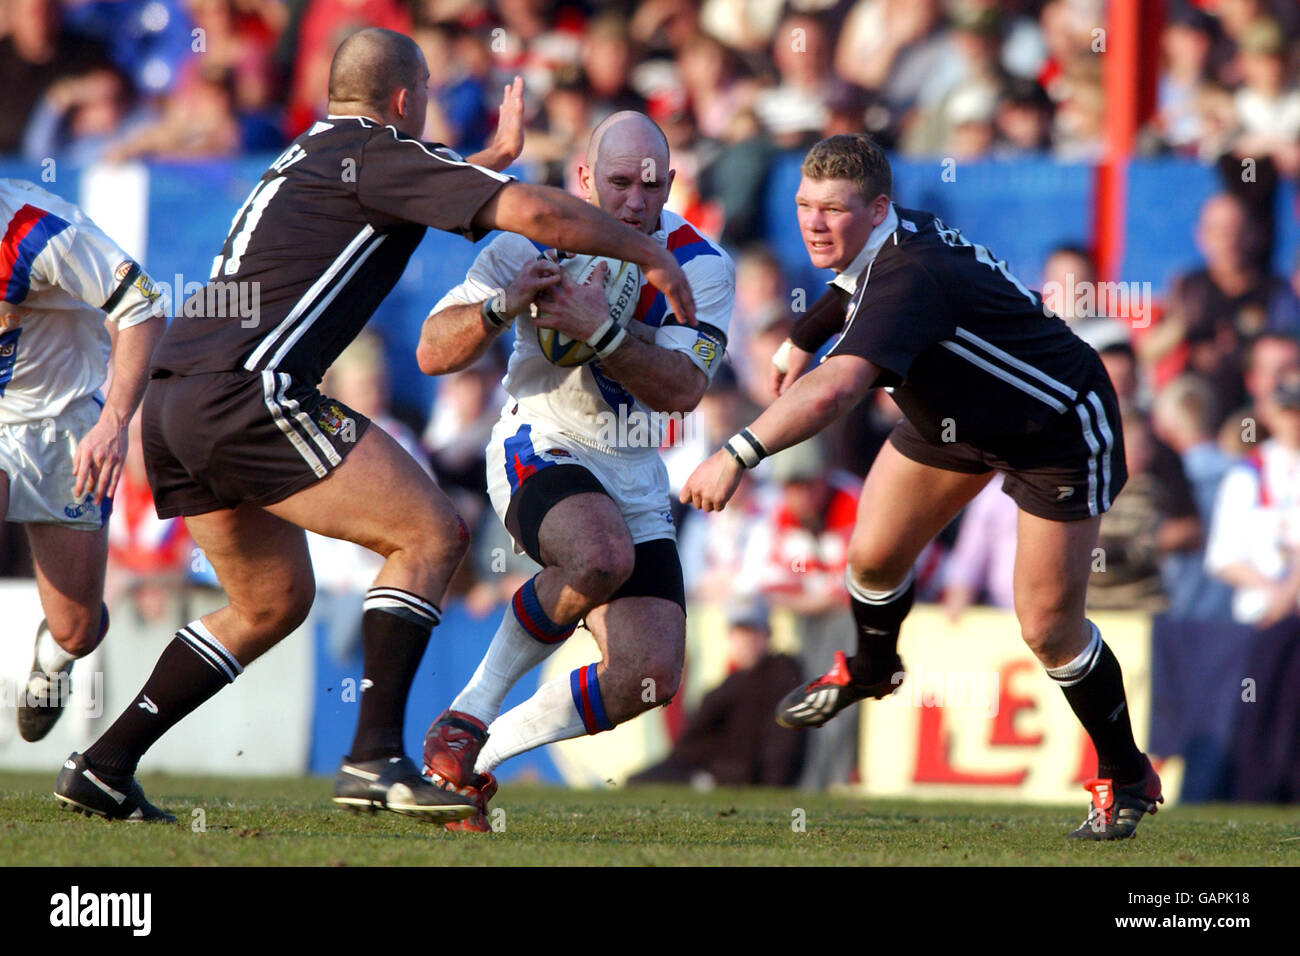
column 622, row 289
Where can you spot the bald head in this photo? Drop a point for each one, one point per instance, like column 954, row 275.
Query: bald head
column 372, row 64
column 626, row 170
column 628, row 131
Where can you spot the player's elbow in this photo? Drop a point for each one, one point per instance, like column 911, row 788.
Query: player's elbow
column 429, row 361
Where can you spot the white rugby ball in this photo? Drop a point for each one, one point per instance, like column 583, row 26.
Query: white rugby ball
column 622, row 289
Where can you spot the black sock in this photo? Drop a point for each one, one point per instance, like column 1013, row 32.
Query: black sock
column 192, row 668
column 395, row 629
column 879, row 616
column 1094, row 687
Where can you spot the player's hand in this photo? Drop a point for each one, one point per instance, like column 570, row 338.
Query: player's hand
column 524, row 289
column 667, row 276
column 509, row 140
column 782, row 376
column 572, row 309
column 97, row 464
column 712, row 484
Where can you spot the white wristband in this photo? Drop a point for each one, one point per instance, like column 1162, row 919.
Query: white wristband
column 747, row 449
column 607, row 338
column 781, row 360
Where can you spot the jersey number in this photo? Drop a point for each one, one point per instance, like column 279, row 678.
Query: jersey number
column 955, row 238
column 8, row 356
column 250, row 213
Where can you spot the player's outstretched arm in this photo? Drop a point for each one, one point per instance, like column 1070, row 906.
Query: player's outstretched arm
column 509, row 140
column 97, row 463
column 554, row 218
column 457, row 336
column 808, row 406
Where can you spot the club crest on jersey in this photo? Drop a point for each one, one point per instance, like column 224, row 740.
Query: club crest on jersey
column 706, row 349
column 332, row 419
column 558, row 453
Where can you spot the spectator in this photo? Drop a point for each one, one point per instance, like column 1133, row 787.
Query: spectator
column 718, row 92
column 1146, row 522
column 606, row 67
column 1269, row 359
column 1185, row 51
column 148, row 556
column 1267, row 107
column 80, row 118
column 794, row 111
column 1184, row 417
column 1023, row 119
column 35, row 55
column 1255, row 538
column 796, row 558
column 1230, row 300
column 731, row 739
column 1071, row 291
column 198, row 121
column 980, row 568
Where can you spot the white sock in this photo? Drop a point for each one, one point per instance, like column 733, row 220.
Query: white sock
column 514, row 651
column 49, row 655
column 554, row 713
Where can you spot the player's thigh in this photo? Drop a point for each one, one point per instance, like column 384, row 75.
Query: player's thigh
column 904, row 504
column 380, row 499
column 1052, row 568
column 262, row 563
column 583, row 531
column 69, row 565
column 642, row 639
column 4, row 494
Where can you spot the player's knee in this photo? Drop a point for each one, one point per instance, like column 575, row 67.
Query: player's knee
column 660, row 684
column 602, row 567
column 1047, row 625
column 272, row 621
column 78, row 631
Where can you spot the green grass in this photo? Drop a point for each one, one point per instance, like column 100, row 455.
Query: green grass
column 268, row 822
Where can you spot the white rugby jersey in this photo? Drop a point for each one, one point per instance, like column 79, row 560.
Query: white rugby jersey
column 584, row 402
column 59, row 275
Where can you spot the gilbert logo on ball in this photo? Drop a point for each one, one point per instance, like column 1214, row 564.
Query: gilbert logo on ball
column 622, row 288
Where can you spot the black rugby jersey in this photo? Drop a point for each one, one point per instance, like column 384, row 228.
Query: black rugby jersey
column 971, row 352
column 317, row 245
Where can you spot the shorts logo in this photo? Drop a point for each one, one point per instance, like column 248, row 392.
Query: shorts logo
column 1063, row 492
column 331, row 418
column 76, row 511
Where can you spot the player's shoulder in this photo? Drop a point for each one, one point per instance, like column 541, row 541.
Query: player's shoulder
column 19, row 194
column 700, row 257
column 513, row 249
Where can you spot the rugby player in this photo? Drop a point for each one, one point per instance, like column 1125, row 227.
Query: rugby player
column 989, row 381
column 238, row 439
column 62, row 441
column 587, row 502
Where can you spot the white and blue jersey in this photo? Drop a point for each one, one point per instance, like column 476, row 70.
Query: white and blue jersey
column 581, row 415
column 59, row 276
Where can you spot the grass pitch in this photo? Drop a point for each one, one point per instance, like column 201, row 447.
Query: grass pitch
column 272, row 822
